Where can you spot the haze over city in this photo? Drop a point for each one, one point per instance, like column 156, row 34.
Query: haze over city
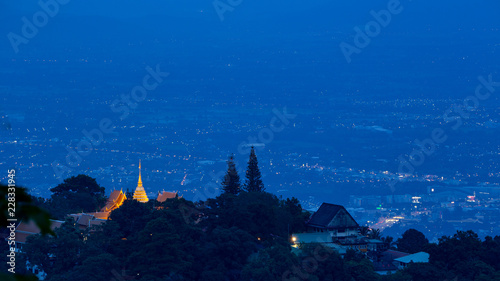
column 389, row 108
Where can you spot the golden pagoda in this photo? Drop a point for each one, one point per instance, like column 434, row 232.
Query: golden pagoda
column 140, row 193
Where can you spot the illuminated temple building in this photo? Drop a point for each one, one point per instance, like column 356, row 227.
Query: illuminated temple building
column 163, row 196
column 90, row 220
column 140, row 193
column 114, row 202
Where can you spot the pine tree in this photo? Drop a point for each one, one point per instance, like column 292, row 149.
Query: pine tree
column 231, row 183
column 253, row 181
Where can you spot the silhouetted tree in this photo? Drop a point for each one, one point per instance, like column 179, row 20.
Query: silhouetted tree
column 76, row 194
column 457, row 254
column 426, row 272
column 413, row 241
column 361, row 270
column 231, row 182
column 374, row 234
column 364, row 231
column 226, row 252
column 96, row 268
column 26, row 210
column 388, row 240
column 131, row 216
column 253, row 177
column 159, row 251
column 319, row 262
column 270, row 264
column 295, row 216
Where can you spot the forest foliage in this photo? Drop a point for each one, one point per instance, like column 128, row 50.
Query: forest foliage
column 242, row 234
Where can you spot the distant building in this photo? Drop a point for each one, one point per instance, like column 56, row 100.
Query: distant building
column 163, row 196
column 376, row 245
column 25, row 229
column 384, row 263
column 323, row 238
column 334, row 219
column 117, row 197
column 333, row 226
column 420, row 257
column 84, row 221
column 115, row 200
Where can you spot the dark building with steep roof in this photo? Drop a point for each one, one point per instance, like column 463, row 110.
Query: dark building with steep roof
column 334, row 219
column 332, row 226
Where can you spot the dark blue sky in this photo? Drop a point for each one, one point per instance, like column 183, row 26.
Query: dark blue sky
column 444, row 15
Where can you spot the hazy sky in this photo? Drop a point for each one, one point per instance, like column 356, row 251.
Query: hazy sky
column 173, row 29
column 420, row 12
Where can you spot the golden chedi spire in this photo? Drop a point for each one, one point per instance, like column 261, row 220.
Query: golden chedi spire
column 139, row 183
column 140, row 193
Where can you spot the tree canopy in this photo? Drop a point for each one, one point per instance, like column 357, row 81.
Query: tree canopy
column 253, row 182
column 412, row 241
column 76, row 194
column 237, row 236
column 26, row 210
column 231, row 182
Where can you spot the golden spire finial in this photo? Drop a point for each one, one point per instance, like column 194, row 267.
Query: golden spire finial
column 139, row 183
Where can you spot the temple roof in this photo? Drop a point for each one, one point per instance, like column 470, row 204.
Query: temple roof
column 417, row 257
column 85, row 220
column 162, row 197
column 25, row 229
column 115, row 200
column 101, row 215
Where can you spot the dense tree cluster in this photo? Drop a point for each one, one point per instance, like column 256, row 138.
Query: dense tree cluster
column 76, row 194
column 412, row 241
column 26, row 210
column 461, row 257
column 240, row 235
column 253, row 179
column 174, row 240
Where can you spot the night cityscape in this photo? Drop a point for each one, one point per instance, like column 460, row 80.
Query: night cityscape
column 231, row 140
